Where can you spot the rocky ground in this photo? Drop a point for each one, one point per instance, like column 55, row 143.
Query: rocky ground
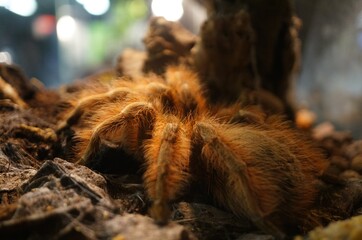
column 45, row 196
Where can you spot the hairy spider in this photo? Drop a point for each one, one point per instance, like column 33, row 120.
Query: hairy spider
column 254, row 165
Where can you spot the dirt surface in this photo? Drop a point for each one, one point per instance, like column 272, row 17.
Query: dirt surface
column 44, row 196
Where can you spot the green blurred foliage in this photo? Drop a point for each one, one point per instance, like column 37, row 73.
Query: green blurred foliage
column 105, row 35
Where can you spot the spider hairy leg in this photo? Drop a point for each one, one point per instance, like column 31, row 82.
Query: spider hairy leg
column 217, row 151
column 187, row 88
column 167, row 160
column 8, row 104
column 155, row 89
column 128, row 129
column 46, row 134
column 92, row 102
column 246, row 116
column 8, row 92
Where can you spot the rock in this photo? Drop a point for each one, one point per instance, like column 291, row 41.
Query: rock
column 340, row 162
column 82, row 173
column 67, row 201
column 167, row 43
column 251, row 236
column 208, row 222
column 134, row 226
column 354, row 149
column 323, row 130
column 356, row 163
column 350, row 174
column 339, row 201
column 347, row 229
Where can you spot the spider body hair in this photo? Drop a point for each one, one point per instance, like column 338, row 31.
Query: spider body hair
column 252, row 164
column 273, row 167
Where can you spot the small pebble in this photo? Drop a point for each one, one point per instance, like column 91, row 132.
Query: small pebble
column 323, row 130
column 333, row 170
column 354, row 149
column 340, row 162
column 348, row 229
column 350, row 174
column 356, row 163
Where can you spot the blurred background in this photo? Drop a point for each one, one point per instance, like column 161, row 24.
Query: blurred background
column 57, row 41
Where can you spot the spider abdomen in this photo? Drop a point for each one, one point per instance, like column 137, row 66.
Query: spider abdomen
column 266, row 173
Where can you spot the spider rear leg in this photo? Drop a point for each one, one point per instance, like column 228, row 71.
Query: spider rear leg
column 245, row 116
column 8, row 92
column 167, row 163
column 91, row 103
column 230, row 184
column 128, row 129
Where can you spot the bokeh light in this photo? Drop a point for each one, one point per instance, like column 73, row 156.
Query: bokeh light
column 43, row 26
column 95, row 7
column 5, row 57
column 171, row 10
column 21, row 7
column 66, row 28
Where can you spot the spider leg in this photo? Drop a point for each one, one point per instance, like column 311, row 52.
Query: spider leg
column 7, row 104
column 92, row 102
column 43, row 134
column 245, row 116
column 167, row 160
column 128, row 129
column 8, row 92
column 234, row 189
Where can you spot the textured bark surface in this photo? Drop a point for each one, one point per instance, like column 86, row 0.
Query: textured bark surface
column 251, row 46
column 247, row 51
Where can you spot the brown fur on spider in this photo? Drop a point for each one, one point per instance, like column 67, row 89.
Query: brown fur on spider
column 255, row 166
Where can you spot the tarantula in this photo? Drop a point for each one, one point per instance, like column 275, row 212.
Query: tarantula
column 255, row 166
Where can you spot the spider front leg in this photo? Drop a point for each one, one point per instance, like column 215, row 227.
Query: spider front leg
column 227, row 175
column 128, row 129
column 92, row 103
column 167, row 166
